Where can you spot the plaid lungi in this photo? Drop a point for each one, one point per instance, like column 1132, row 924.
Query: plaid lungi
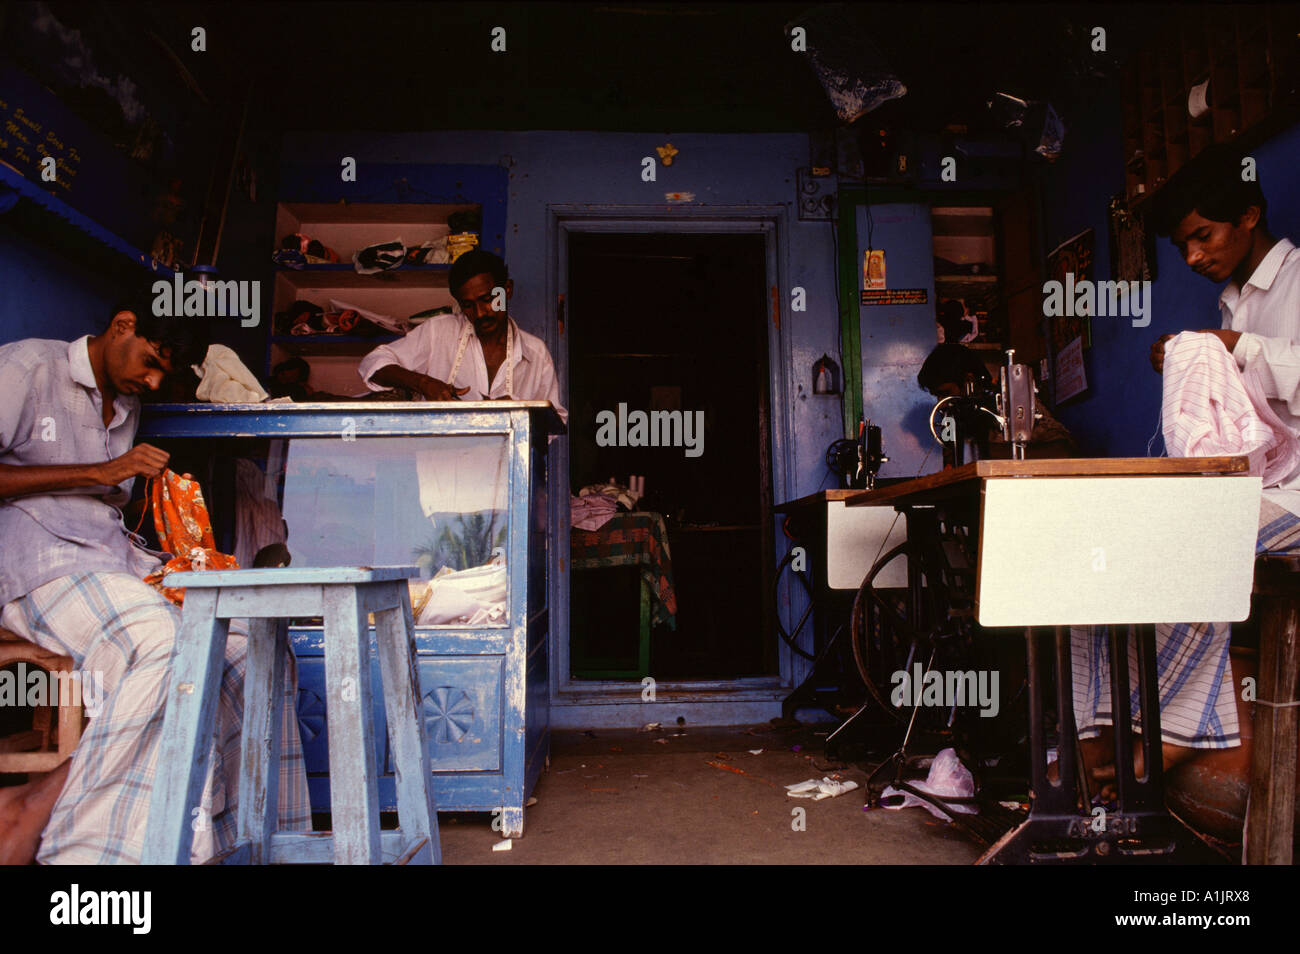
column 1198, row 706
column 114, row 625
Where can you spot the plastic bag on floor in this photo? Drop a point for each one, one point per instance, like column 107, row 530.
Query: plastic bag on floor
column 948, row 778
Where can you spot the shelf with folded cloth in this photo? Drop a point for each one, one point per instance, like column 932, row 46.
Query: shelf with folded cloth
column 346, row 276
column 330, row 344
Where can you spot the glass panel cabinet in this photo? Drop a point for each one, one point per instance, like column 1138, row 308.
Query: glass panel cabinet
column 457, row 490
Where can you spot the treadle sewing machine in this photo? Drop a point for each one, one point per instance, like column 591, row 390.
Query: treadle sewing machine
column 1014, row 410
column 1026, row 544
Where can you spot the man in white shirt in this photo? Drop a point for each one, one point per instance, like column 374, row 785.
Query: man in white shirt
column 1216, row 219
column 1223, row 236
column 478, row 353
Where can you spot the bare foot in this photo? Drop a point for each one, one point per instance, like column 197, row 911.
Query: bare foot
column 24, row 812
column 1170, row 755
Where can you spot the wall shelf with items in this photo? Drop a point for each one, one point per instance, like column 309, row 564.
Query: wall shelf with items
column 397, row 293
column 346, row 276
column 328, row 344
column 966, row 264
column 408, row 201
column 1220, row 73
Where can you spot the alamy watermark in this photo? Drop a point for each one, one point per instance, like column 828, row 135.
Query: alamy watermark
column 74, row 906
column 37, row 687
column 651, row 429
column 208, row 299
column 946, row 689
column 1085, row 298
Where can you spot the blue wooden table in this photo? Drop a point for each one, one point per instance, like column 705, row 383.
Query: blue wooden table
column 345, row 475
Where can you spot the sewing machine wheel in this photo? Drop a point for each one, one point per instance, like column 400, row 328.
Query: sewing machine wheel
column 894, row 629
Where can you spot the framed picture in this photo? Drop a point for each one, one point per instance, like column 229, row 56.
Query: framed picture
column 1132, row 246
column 1073, row 256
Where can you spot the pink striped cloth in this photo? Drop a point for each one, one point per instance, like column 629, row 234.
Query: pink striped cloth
column 1211, row 409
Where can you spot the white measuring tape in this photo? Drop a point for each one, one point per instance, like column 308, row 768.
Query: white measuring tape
column 510, row 365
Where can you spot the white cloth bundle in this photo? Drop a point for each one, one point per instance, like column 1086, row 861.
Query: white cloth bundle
column 476, row 596
column 223, row 379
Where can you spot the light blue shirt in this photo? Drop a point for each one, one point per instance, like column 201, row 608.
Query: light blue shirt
column 51, row 412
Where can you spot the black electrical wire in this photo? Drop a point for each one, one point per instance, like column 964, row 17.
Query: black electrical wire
column 780, row 629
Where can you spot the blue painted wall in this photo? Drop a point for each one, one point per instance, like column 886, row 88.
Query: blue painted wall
column 604, row 169
column 1121, row 410
column 897, row 338
column 46, row 295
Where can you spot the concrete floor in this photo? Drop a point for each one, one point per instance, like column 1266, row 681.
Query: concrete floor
column 627, row 797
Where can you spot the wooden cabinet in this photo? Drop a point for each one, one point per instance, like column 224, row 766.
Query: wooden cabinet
column 1247, row 56
column 425, row 484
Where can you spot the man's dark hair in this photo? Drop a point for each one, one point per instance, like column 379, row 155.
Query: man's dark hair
column 949, row 363
column 476, row 262
column 1211, row 186
column 184, row 340
column 951, row 316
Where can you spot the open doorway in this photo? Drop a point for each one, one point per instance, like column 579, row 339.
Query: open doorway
column 673, row 323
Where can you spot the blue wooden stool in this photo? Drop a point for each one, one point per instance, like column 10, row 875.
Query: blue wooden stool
column 343, row 596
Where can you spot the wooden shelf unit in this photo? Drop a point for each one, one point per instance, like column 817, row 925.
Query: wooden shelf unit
column 1249, row 55
column 400, row 292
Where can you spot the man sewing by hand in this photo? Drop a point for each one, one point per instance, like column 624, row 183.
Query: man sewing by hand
column 477, row 353
column 1216, row 220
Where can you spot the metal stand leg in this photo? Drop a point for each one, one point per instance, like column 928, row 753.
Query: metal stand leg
column 1057, row 831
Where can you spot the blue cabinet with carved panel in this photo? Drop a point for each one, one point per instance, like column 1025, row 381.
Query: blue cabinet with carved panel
column 458, row 490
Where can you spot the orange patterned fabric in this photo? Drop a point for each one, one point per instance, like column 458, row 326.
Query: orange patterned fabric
column 184, row 530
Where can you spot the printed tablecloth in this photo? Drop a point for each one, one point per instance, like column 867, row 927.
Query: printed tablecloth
column 631, row 539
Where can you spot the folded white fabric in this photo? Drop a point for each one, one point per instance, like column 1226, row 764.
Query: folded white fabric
column 398, row 326
column 476, row 595
column 223, row 379
column 1211, row 409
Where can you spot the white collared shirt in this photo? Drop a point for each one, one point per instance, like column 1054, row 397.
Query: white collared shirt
column 1267, row 313
column 431, row 349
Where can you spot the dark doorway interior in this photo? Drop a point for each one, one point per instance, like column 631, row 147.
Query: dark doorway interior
column 665, row 321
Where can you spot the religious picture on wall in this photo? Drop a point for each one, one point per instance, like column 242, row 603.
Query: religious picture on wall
column 873, row 269
column 1132, row 246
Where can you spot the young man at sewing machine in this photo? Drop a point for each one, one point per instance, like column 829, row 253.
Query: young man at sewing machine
column 478, row 353
column 1217, row 222
column 71, row 582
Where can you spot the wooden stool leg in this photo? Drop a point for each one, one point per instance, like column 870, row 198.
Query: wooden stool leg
column 354, row 788
column 259, row 777
column 192, row 697
column 70, row 713
column 404, row 702
column 1270, row 815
